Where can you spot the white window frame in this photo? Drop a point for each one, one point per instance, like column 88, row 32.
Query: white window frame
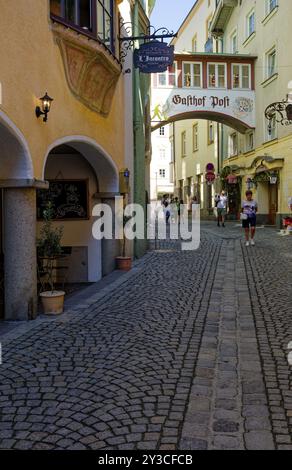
column 184, row 144
column 268, row 8
column 210, row 125
column 248, row 148
column 232, row 36
column 217, row 76
column 167, row 74
column 192, row 76
column 267, row 65
column 274, row 136
column 232, row 152
column 248, row 33
column 240, row 76
column 162, row 173
column 196, row 137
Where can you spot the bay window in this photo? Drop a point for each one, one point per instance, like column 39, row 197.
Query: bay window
column 192, row 73
column 241, row 76
column 216, row 75
column 91, row 17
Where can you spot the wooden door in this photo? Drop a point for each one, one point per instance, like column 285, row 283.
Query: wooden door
column 273, row 203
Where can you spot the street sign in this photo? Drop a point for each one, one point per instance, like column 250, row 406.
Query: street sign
column 154, row 57
column 210, row 176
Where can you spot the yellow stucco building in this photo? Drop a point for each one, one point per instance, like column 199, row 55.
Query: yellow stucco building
column 69, row 50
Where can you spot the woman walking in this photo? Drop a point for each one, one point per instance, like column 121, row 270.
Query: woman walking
column 249, row 217
column 222, row 209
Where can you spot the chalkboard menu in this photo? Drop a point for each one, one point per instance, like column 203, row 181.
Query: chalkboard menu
column 69, row 199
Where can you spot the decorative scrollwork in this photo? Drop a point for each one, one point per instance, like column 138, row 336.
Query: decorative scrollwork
column 127, row 39
column 281, row 111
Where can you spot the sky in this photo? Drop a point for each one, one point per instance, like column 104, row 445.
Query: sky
column 170, row 13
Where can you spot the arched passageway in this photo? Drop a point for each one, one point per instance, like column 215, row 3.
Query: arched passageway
column 84, row 175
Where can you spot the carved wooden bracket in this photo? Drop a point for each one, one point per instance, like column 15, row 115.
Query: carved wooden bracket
column 92, row 73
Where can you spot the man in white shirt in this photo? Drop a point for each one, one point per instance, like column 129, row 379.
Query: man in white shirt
column 222, row 209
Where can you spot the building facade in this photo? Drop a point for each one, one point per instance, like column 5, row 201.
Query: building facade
column 69, row 49
column 260, row 159
column 248, row 36
column 161, row 177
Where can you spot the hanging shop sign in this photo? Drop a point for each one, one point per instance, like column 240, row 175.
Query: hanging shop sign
column 231, row 179
column 154, row 57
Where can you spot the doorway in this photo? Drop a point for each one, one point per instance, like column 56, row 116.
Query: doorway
column 1, row 259
column 273, row 203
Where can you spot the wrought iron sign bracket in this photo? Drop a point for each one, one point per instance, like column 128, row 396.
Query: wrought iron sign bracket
column 128, row 41
column 281, row 111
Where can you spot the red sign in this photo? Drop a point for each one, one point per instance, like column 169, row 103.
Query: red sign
column 210, row 176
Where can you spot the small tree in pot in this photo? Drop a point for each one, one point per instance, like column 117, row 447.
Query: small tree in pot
column 49, row 250
column 124, row 262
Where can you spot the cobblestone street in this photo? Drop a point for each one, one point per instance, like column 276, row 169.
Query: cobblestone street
column 187, row 351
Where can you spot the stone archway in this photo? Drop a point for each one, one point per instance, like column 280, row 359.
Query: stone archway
column 18, row 224
column 79, row 158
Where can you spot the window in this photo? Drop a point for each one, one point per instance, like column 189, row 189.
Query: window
column 162, row 154
column 233, row 43
column 192, row 75
column 216, row 75
column 233, row 145
column 168, row 78
column 271, row 133
column 183, row 144
column 210, row 132
column 92, row 17
column 195, row 137
column 271, row 63
column 162, row 131
column 241, row 76
column 162, row 173
column 249, row 141
column 270, row 6
column 195, row 44
column 250, row 24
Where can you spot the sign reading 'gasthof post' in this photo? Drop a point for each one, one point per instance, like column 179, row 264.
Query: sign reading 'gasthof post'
column 154, row 57
column 170, row 103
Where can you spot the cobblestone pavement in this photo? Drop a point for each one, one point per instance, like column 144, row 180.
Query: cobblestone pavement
column 187, row 351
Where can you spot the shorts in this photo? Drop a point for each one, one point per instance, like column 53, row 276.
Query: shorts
column 221, row 212
column 250, row 222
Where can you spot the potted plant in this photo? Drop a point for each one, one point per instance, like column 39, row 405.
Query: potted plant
column 49, row 250
column 124, row 262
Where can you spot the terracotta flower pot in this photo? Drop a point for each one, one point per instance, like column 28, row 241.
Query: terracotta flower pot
column 53, row 302
column 124, row 263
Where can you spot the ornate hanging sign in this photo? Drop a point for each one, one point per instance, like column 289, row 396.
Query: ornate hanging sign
column 154, row 57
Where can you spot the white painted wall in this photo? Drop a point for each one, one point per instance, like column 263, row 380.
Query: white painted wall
column 157, row 183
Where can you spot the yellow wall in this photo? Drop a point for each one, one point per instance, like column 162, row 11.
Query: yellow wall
column 30, row 65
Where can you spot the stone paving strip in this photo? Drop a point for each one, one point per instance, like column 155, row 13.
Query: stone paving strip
column 228, row 404
column 269, row 274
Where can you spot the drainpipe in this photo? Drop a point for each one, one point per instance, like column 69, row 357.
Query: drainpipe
column 174, row 154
